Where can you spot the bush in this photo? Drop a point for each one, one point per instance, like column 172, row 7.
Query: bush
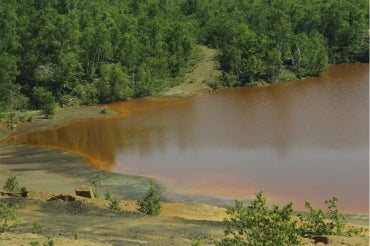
column 330, row 222
column 8, row 217
column 50, row 242
column 68, row 101
column 96, row 182
column 197, row 243
column 86, row 93
column 114, row 204
column 37, row 227
column 107, row 195
column 256, row 224
column 11, row 184
column 104, row 110
column 45, row 101
column 151, row 203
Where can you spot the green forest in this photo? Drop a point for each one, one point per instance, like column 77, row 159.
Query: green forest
column 84, row 52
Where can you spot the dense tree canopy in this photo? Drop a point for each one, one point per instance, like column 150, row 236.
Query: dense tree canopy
column 90, row 51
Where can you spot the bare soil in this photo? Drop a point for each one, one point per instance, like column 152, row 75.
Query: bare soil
column 197, row 81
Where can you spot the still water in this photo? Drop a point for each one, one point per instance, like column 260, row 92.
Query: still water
column 297, row 141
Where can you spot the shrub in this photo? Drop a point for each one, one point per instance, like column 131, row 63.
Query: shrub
column 107, row 195
column 50, row 242
column 21, row 118
column 68, row 101
column 37, row 227
column 96, row 181
column 45, row 101
column 8, row 217
column 86, row 93
column 104, row 110
column 114, row 204
column 330, row 222
column 11, row 184
column 197, row 243
column 256, row 224
column 151, row 203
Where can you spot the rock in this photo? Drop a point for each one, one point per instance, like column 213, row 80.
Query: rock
column 321, row 239
column 24, row 192
column 84, row 191
column 65, row 198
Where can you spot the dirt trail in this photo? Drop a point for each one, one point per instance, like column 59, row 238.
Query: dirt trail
column 197, row 81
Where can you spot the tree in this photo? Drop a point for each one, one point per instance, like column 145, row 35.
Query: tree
column 151, row 203
column 242, row 55
column 308, row 54
column 114, row 84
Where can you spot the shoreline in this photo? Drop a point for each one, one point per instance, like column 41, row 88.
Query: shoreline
column 59, row 165
column 66, row 115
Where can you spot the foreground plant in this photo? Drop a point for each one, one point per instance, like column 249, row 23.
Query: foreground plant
column 114, row 204
column 8, row 218
column 11, row 184
column 151, row 203
column 96, row 182
column 257, row 224
column 330, row 222
column 37, row 227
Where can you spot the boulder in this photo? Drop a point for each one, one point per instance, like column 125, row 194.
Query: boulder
column 84, row 191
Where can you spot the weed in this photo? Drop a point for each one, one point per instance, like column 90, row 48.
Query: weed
column 107, row 195
column 11, row 184
column 37, row 227
column 96, row 181
column 114, row 204
column 8, row 218
column 197, row 243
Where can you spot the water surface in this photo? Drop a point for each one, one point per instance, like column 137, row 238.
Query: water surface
column 297, row 141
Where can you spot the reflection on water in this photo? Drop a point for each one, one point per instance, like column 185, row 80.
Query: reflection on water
column 306, row 140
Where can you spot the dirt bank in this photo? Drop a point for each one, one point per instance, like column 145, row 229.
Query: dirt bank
column 197, row 81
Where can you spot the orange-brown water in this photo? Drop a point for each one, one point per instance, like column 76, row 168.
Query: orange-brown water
column 304, row 140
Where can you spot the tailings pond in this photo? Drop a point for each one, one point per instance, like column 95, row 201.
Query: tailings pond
column 296, row 141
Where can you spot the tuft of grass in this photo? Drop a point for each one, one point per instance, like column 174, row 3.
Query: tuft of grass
column 114, row 204
column 37, row 227
column 105, row 110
